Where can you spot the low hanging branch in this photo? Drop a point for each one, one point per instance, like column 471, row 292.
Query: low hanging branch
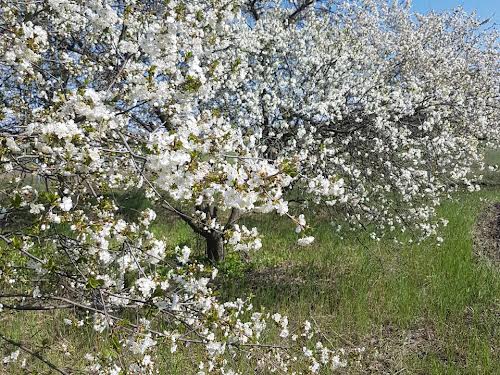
column 33, row 354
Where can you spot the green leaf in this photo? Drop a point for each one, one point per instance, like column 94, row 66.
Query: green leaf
column 94, row 283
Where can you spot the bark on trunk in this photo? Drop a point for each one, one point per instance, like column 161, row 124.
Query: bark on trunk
column 214, row 240
column 215, row 247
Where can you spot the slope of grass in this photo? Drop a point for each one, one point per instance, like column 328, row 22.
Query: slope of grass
column 417, row 308
column 438, row 301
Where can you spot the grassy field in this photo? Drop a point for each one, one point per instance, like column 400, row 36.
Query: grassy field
column 424, row 308
column 416, row 308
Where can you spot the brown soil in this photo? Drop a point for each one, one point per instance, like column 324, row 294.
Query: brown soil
column 487, row 235
column 388, row 348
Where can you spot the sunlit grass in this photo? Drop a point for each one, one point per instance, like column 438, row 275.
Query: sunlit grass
column 427, row 309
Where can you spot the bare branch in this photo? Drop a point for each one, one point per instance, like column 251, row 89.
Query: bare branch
column 34, row 354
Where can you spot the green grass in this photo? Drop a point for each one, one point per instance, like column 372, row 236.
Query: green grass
column 425, row 309
column 356, row 291
column 492, row 157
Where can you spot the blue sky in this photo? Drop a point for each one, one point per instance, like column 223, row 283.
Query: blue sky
column 485, row 8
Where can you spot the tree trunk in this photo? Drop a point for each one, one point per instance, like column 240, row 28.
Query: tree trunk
column 214, row 239
column 215, row 247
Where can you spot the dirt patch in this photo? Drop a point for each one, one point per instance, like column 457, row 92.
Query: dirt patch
column 286, row 273
column 389, row 348
column 487, row 235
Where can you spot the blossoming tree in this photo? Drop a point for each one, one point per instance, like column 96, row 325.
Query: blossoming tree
column 217, row 110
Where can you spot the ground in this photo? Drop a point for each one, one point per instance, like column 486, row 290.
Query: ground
column 424, row 308
column 487, row 235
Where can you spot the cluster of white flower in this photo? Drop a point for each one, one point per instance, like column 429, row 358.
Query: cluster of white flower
column 244, row 239
column 12, row 357
column 26, row 44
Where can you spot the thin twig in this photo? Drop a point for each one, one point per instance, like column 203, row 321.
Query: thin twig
column 32, row 353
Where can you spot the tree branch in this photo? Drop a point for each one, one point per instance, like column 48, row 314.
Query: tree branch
column 34, row 354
